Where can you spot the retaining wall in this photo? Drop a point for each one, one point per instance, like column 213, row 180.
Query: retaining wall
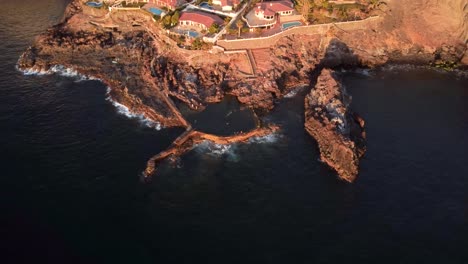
column 266, row 42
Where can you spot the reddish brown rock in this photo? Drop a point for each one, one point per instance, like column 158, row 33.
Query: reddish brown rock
column 144, row 68
column 339, row 132
column 190, row 138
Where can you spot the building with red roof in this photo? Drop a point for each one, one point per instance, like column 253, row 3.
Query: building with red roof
column 268, row 14
column 226, row 5
column 199, row 19
column 268, row 10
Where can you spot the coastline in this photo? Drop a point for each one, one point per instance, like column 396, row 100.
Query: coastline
column 143, row 70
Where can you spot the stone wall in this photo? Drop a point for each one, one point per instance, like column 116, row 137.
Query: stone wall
column 265, row 42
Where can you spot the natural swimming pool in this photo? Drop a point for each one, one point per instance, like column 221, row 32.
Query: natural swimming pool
column 290, row 24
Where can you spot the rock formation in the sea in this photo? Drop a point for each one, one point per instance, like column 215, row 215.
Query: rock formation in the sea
column 338, row 131
column 145, row 69
column 191, row 138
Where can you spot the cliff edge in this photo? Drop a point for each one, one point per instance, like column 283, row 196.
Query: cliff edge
column 145, row 69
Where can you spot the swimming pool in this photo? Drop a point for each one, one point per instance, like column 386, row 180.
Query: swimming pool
column 290, row 24
column 188, row 32
column 192, row 33
column 156, row 11
column 94, row 4
column 206, row 6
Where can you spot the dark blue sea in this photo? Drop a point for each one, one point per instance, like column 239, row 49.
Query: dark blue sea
column 70, row 168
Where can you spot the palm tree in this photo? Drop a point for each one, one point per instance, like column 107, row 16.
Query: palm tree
column 303, row 7
column 239, row 25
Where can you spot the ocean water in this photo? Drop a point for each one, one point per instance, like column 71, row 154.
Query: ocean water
column 71, row 192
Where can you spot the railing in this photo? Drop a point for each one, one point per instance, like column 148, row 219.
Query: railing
column 272, row 23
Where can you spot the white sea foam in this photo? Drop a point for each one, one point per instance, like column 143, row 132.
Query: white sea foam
column 295, row 91
column 213, row 149
column 270, row 138
column 72, row 73
column 291, row 94
column 218, row 150
column 59, row 70
column 32, row 71
column 123, row 110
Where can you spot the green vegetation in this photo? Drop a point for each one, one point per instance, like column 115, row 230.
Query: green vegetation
column 179, row 39
column 322, row 11
column 175, row 18
column 445, row 65
column 166, row 22
column 171, row 19
column 239, row 25
column 199, row 44
column 214, row 28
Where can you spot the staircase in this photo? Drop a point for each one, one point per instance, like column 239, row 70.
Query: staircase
column 261, row 57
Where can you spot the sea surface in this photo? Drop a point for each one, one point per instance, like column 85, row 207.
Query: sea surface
column 71, row 192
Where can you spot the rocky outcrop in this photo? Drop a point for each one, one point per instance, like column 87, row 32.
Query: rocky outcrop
column 338, row 131
column 145, row 69
column 191, row 138
column 106, row 55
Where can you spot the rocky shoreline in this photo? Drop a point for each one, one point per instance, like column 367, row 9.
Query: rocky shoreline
column 144, row 70
column 338, row 131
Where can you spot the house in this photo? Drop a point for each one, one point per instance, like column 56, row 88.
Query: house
column 226, row 5
column 268, row 10
column 267, row 14
column 199, row 19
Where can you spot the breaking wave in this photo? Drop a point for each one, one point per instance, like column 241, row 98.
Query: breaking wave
column 271, row 138
column 295, row 91
column 213, row 149
column 123, row 110
column 218, row 150
column 32, row 71
column 72, row 73
column 60, row 70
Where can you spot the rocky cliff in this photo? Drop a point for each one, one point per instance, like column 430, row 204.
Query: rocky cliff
column 145, row 69
column 412, row 31
column 338, row 131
